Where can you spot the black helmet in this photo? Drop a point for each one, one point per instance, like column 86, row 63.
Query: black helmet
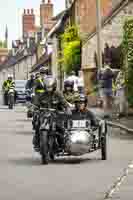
column 43, row 70
column 68, row 83
column 32, row 76
column 81, row 99
column 51, row 83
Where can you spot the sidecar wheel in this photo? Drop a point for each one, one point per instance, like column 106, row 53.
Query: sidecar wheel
column 51, row 155
column 104, row 148
column 44, row 148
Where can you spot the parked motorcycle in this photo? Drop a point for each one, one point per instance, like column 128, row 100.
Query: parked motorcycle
column 11, row 98
column 62, row 136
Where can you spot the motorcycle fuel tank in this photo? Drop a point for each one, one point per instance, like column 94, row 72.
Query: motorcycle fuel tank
column 79, row 143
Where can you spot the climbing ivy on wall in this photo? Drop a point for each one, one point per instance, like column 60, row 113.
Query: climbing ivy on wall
column 71, row 46
column 128, row 52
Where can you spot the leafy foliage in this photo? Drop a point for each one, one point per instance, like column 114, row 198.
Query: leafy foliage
column 128, row 51
column 71, row 54
column 3, row 44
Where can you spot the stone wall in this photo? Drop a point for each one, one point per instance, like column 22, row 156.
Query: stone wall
column 112, row 34
column 84, row 12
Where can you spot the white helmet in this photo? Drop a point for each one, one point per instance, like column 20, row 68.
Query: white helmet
column 10, row 76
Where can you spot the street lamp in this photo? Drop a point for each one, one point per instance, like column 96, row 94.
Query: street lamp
column 26, row 64
column 98, row 19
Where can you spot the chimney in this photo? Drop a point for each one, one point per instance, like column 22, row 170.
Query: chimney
column 46, row 12
column 28, row 22
column 32, row 11
column 28, row 11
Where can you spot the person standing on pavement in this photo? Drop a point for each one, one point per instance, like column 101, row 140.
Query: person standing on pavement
column 75, row 79
column 105, row 79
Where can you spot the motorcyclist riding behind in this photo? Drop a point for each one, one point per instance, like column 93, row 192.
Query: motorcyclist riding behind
column 51, row 98
column 39, row 88
column 69, row 92
column 7, row 85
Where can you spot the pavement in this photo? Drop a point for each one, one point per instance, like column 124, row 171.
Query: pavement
column 22, row 177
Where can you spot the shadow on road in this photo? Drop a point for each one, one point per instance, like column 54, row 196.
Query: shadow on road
column 30, row 161
column 25, row 161
column 75, row 160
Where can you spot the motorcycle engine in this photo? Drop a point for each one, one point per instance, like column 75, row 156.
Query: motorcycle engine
column 79, row 142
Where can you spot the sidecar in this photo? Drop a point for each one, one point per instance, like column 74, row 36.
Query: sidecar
column 81, row 139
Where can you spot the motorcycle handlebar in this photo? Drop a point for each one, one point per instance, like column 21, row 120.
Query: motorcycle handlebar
column 47, row 109
column 52, row 110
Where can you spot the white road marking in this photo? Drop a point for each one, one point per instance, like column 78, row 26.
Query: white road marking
column 116, row 186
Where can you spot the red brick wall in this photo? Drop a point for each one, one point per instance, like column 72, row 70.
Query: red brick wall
column 85, row 13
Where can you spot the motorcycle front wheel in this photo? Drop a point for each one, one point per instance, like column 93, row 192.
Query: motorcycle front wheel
column 44, row 147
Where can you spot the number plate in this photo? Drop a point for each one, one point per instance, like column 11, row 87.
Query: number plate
column 79, row 124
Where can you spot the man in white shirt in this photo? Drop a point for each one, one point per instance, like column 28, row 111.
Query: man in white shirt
column 75, row 79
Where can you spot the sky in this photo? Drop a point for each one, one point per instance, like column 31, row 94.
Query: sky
column 11, row 11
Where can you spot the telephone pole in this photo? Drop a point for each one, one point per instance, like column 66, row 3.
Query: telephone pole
column 99, row 24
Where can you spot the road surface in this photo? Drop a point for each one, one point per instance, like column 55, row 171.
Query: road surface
column 22, row 177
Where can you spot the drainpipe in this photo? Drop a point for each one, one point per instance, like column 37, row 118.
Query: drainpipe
column 98, row 17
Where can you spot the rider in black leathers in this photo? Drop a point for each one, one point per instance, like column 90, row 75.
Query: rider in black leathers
column 51, row 98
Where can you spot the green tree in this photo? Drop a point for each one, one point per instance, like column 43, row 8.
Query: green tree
column 71, row 50
column 128, row 52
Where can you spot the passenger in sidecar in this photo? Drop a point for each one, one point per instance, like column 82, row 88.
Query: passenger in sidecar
column 81, row 113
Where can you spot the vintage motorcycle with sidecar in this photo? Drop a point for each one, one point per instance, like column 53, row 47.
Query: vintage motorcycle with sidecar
column 62, row 136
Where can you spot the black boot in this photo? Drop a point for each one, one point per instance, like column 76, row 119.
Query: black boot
column 36, row 141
